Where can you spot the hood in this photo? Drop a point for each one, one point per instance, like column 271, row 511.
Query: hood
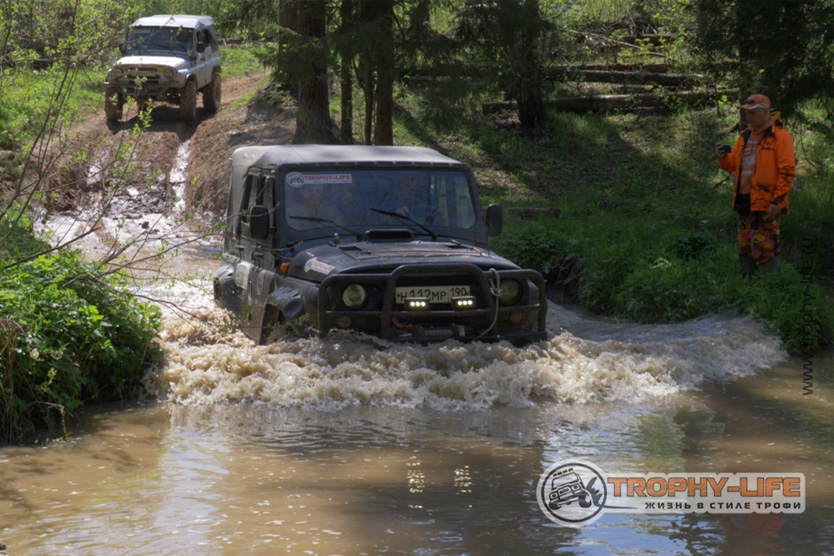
column 167, row 60
column 319, row 262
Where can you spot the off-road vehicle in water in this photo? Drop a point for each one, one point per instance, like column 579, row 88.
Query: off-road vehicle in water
column 388, row 241
column 166, row 58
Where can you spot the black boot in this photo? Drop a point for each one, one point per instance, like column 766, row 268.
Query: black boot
column 772, row 266
column 748, row 264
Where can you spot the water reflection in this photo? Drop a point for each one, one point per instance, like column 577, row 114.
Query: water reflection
column 256, row 478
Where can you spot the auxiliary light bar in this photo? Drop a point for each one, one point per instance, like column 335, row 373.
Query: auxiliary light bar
column 463, row 303
column 417, row 303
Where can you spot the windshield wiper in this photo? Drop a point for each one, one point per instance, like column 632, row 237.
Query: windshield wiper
column 407, row 219
column 325, row 221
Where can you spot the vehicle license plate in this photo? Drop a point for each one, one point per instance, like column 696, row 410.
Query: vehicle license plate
column 435, row 294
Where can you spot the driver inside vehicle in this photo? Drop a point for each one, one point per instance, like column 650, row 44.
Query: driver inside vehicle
column 414, row 201
column 318, row 201
column 183, row 40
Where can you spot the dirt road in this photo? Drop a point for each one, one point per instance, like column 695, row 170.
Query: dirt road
column 168, row 151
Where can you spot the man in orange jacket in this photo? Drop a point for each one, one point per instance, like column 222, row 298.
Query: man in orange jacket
column 764, row 165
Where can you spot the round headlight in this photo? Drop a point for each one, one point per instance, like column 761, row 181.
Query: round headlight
column 510, row 292
column 354, row 296
column 168, row 73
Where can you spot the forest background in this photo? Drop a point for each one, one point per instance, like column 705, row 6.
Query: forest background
column 604, row 112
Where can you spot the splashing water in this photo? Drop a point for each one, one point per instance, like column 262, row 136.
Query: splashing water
column 584, row 361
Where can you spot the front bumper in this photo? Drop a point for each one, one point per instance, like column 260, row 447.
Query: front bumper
column 146, row 82
column 488, row 320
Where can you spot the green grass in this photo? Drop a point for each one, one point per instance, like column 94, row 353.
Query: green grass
column 240, row 60
column 29, row 98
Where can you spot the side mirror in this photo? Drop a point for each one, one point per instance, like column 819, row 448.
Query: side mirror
column 259, row 222
column 123, row 48
column 494, row 219
column 201, row 47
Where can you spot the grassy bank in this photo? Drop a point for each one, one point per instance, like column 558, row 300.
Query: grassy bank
column 69, row 336
column 646, row 232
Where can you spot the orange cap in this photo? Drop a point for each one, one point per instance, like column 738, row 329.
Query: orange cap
column 755, row 101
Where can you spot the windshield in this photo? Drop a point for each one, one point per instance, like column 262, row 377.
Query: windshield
column 356, row 199
column 176, row 39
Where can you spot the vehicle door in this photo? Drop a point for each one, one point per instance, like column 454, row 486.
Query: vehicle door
column 256, row 238
column 203, row 53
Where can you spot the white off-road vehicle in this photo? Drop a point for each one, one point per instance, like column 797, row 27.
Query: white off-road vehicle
column 166, row 58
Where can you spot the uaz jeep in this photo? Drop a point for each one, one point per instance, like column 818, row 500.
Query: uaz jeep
column 166, row 58
column 389, row 241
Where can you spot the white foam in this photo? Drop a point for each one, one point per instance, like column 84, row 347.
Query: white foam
column 204, row 364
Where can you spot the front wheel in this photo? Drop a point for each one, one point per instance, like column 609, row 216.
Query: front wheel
column 188, row 102
column 113, row 105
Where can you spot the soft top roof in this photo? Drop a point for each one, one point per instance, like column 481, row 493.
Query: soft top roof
column 338, row 155
column 313, row 156
column 279, row 155
column 169, row 20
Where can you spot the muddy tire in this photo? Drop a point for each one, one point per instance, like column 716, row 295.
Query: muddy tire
column 211, row 94
column 188, row 102
column 113, row 104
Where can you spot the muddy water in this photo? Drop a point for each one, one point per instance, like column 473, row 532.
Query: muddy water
column 351, row 446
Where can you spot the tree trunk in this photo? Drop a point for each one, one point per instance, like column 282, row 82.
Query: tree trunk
column 368, row 90
column 288, row 18
column 346, row 78
column 530, row 97
column 376, row 64
column 313, row 123
column 384, row 130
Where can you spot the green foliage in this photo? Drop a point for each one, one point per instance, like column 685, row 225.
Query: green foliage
column 646, row 272
column 86, row 339
column 649, row 235
column 783, row 47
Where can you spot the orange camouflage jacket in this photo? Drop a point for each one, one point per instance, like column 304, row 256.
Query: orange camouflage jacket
column 775, row 168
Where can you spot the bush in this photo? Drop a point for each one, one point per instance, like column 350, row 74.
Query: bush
column 646, row 271
column 68, row 337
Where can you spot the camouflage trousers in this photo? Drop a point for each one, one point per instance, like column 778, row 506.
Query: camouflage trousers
column 758, row 236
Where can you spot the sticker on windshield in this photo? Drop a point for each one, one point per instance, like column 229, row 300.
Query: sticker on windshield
column 297, row 179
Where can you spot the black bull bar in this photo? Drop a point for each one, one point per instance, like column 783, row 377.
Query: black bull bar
column 390, row 281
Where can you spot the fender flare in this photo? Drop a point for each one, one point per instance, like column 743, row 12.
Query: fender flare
column 289, row 304
column 226, row 291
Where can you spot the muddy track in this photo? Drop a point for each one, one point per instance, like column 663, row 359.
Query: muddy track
column 171, row 160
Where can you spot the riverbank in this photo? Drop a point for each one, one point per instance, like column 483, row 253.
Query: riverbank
column 645, row 230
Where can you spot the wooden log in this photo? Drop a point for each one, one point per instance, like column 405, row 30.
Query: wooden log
column 655, row 67
column 599, row 103
column 639, row 78
column 524, row 213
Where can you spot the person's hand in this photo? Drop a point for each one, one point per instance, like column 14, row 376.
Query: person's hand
column 774, row 210
column 721, row 150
